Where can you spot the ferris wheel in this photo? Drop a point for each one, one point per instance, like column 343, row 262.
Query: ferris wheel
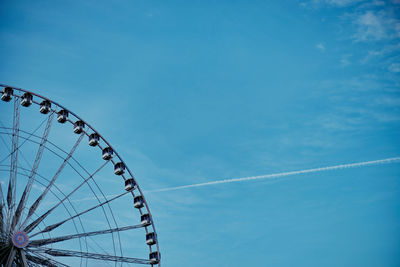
column 66, row 197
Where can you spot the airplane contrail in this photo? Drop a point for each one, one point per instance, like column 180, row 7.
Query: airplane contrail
column 282, row 174
column 267, row 176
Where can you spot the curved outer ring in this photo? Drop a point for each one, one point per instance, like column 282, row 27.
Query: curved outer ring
column 108, row 144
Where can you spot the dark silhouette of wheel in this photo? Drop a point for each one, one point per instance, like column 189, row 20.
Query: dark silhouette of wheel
column 66, row 197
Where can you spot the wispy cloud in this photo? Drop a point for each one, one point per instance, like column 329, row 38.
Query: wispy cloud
column 342, row 2
column 368, row 22
column 320, row 46
column 371, row 26
column 376, row 24
column 345, row 61
column 394, row 67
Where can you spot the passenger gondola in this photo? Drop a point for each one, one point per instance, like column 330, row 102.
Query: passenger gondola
column 94, row 139
column 7, row 94
column 138, row 202
column 78, row 127
column 45, row 107
column 119, row 168
column 154, row 257
column 130, row 184
column 26, row 99
column 151, row 239
column 62, row 116
column 145, row 219
column 107, row 153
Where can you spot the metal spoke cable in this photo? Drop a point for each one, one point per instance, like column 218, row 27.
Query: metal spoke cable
column 75, row 189
column 43, row 260
column 31, row 178
column 90, row 187
column 34, row 206
column 104, row 211
column 65, row 207
column 23, row 142
column 1, row 209
column 23, row 258
column 53, row 226
column 42, row 242
column 11, row 256
column 96, row 256
column 14, row 159
column 25, row 169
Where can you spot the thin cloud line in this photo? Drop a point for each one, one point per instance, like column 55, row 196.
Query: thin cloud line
column 282, row 174
column 268, row 176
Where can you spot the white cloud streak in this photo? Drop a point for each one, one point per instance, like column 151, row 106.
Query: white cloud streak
column 320, row 46
column 282, row 174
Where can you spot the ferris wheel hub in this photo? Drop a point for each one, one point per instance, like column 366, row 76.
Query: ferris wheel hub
column 20, row 239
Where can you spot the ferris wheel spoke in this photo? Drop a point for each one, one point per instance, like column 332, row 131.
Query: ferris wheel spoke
column 4, row 253
column 76, row 188
column 22, row 257
column 11, row 256
column 58, row 197
column 39, row 260
column 54, row 226
column 46, row 241
column 104, row 211
column 35, row 205
column 31, row 178
column 95, row 256
column 43, row 260
column 90, row 187
column 1, row 209
column 29, row 136
column 14, row 157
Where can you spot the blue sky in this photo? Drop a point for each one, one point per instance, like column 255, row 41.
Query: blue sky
column 196, row 91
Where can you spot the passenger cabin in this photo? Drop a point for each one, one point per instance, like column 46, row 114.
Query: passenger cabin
column 94, row 139
column 130, row 184
column 45, row 107
column 138, row 202
column 154, row 257
column 119, row 168
column 62, row 116
column 26, row 100
column 78, row 127
column 107, row 153
column 151, row 239
column 145, row 219
column 7, row 94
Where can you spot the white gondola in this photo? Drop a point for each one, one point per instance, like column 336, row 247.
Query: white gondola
column 7, row 94
column 119, row 168
column 151, row 239
column 26, row 99
column 78, row 127
column 94, row 139
column 138, row 202
column 107, row 153
column 154, row 257
column 62, row 116
column 130, row 184
column 45, row 107
column 145, row 219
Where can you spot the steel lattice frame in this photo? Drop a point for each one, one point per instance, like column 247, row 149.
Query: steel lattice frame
column 16, row 230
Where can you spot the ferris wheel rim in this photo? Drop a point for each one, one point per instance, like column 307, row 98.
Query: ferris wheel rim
column 117, row 156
